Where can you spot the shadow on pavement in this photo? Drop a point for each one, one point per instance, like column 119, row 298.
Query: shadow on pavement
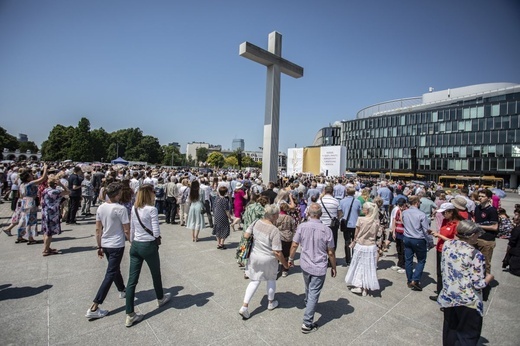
column 333, row 310
column 78, row 249
column 55, row 239
column 21, row 292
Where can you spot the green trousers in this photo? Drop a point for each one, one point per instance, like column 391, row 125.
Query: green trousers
column 139, row 252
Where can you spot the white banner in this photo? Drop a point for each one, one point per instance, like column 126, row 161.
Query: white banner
column 294, row 160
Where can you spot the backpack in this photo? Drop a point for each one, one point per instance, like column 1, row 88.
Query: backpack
column 159, row 191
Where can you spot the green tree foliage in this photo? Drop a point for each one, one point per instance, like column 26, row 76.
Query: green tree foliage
column 202, row 154
column 24, row 146
column 248, row 162
column 172, row 156
column 100, row 143
column 8, row 141
column 57, row 145
column 216, row 159
column 231, row 161
column 81, row 142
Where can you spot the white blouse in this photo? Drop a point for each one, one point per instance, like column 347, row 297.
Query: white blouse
column 150, row 218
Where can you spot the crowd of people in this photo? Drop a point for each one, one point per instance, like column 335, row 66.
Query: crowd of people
column 300, row 212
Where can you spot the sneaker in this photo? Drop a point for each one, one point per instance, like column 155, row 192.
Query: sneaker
column 395, row 268
column 309, row 329
column 122, row 295
column 99, row 313
column 401, row 271
column 272, row 305
column 357, row 290
column 244, row 312
column 284, row 274
column 130, row 320
column 166, row 298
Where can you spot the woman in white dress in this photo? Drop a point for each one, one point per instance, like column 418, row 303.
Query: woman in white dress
column 265, row 254
column 362, row 271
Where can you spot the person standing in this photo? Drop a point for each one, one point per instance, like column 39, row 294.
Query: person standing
column 13, row 179
column 417, row 241
column 386, row 194
column 74, row 185
column 97, row 179
column 486, row 216
column 87, row 193
column 330, row 207
column 204, row 186
column 350, row 208
column 144, row 232
column 172, row 192
column 51, row 218
column 317, row 244
column 112, row 226
column 463, row 277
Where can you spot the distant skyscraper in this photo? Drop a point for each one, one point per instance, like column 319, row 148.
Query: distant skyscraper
column 22, row 137
column 238, row 143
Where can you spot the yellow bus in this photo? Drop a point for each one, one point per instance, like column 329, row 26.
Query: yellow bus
column 459, row 181
column 402, row 176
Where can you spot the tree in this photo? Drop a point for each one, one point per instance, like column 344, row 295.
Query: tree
column 216, row 159
column 81, row 142
column 172, row 156
column 56, row 147
column 7, row 141
column 100, row 142
column 24, row 146
column 202, row 154
column 231, row 161
column 124, row 143
column 248, row 162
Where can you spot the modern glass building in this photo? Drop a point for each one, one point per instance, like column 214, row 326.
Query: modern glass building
column 238, row 144
column 471, row 131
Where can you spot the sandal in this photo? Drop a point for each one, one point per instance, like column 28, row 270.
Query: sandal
column 8, row 232
column 20, row 240
column 51, row 252
column 32, row 242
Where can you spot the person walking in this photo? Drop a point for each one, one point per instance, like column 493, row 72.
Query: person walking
column 362, row 273
column 74, row 185
column 263, row 262
column 317, row 244
column 417, row 241
column 112, row 226
column 144, row 232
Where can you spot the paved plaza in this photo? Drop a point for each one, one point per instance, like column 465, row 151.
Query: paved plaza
column 44, row 299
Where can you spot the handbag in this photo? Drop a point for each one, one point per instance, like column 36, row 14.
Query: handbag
column 246, row 245
column 334, row 221
column 157, row 239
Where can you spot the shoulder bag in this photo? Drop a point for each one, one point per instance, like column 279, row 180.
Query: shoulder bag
column 345, row 221
column 334, row 222
column 157, row 239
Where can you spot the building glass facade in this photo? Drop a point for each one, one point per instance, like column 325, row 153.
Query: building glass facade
column 477, row 135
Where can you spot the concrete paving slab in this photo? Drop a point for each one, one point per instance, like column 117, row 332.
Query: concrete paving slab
column 47, row 297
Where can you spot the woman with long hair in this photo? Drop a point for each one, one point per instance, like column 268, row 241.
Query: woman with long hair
column 362, row 271
column 51, row 220
column 144, row 231
column 127, row 195
column 287, row 227
column 196, row 205
column 28, row 223
column 448, row 231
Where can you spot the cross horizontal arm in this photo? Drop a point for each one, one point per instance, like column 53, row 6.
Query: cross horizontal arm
column 261, row 56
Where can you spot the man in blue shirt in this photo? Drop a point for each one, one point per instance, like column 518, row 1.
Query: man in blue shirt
column 417, row 241
column 386, row 194
column 348, row 211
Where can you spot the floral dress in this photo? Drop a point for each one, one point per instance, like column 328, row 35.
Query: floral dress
column 51, row 222
column 463, row 274
column 29, row 211
column 254, row 211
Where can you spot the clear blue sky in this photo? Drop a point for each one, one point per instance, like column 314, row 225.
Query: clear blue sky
column 172, row 68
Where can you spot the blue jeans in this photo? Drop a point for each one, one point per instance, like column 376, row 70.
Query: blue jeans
column 113, row 274
column 418, row 248
column 313, row 286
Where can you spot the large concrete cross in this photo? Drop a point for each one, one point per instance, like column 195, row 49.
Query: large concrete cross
column 272, row 58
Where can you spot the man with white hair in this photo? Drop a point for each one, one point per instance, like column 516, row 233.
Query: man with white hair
column 257, row 188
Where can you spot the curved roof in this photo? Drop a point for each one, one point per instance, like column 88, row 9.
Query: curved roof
column 435, row 97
